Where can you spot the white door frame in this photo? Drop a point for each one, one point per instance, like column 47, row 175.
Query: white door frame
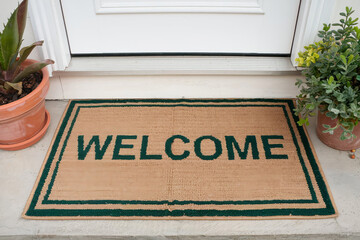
column 48, row 25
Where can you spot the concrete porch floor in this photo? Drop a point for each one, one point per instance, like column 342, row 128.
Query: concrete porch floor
column 19, row 169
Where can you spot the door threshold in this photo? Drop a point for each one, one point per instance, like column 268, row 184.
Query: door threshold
column 179, row 65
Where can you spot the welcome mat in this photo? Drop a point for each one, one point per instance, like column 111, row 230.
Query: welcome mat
column 180, row 159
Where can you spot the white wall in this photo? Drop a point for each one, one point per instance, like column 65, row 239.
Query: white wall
column 6, row 8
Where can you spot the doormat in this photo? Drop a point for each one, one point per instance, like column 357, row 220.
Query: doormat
column 180, row 159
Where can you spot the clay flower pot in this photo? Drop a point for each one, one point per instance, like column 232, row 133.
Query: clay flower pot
column 24, row 121
column 333, row 140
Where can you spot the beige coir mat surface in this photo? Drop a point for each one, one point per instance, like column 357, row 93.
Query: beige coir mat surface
column 180, row 159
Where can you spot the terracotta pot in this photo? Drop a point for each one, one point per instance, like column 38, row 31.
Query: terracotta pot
column 25, row 121
column 333, row 140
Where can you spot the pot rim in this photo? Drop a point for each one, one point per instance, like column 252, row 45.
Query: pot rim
column 44, row 81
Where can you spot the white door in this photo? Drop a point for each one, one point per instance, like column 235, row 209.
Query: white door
column 180, row 26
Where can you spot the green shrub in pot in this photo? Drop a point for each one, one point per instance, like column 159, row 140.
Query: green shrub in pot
column 331, row 68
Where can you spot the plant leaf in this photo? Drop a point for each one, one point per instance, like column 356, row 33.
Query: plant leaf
column 334, row 110
column 31, row 69
column 343, row 136
column 343, row 59
column 331, row 115
column 21, row 17
column 310, row 106
column 303, row 121
column 351, row 57
column 1, row 57
column 330, row 131
column 9, row 40
column 16, row 86
column 328, row 101
column 24, row 53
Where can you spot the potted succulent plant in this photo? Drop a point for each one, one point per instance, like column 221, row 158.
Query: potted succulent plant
column 23, row 86
column 332, row 83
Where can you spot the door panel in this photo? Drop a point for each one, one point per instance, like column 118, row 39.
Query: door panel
column 169, row 26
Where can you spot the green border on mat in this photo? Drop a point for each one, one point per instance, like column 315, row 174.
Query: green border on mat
column 329, row 210
column 176, row 202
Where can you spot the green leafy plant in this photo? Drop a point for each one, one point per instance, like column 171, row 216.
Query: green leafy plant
column 11, row 57
column 332, row 76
